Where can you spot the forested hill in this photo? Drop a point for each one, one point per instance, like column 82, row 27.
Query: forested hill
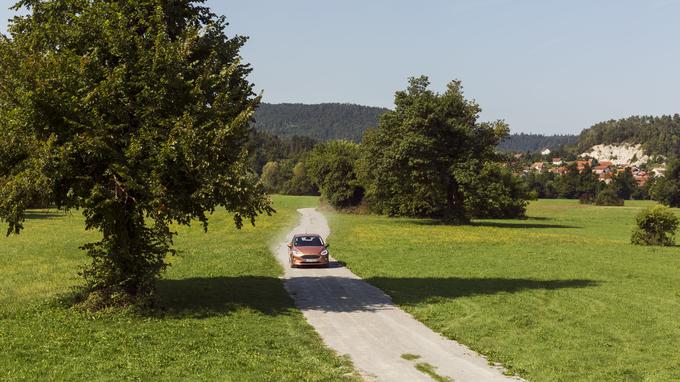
column 536, row 142
column 322, row 122
column 657, row 135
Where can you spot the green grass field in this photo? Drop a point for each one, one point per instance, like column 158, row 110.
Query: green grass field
column 561, row 296
column 224, row 314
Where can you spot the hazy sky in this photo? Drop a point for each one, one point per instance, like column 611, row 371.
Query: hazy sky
column 543, row 66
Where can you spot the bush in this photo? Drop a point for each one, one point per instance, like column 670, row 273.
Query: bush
column 608, row 197
column 586, row 198
column 331, row 166
column 493, row 192
column 655, row 226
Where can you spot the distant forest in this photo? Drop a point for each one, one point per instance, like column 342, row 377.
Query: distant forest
column 658, row 135
column 536, row 142
column 322, row 122
column 329, row 121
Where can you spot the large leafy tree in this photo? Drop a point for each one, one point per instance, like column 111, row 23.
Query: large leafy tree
column 136, row 112
column 666, row 189
column 331, row 166
column 426, row 152
column 624, row 184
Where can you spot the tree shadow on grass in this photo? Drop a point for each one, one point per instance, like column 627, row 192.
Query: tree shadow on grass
column 519, row 224
column 204, row 297
column 509, row 223
column 218, row 296
column 411, row 291
column 43, row 214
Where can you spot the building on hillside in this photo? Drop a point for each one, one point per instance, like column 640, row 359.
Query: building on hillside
column 546, row 152
column 559, row 170
column 538, row 166
column 602, row 169
column 557, row 161
column 606, row 177
column 641, row 178
column 581, row 164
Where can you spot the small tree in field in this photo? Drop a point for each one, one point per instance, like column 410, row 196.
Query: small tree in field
column 608, row 197
column 655, row 226
column 136, row 112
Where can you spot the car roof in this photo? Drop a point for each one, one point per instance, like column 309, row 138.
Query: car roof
column 306, row 235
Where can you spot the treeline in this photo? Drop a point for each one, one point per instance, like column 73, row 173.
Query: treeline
column 657, row 135
column 429, row 157
column 584, row 185
column 321, row 122
column 536, row 142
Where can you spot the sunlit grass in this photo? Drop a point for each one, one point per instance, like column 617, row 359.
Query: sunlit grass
column 223, row 313
column 560, row 296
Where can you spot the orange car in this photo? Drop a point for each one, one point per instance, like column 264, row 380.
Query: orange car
column 307, row 249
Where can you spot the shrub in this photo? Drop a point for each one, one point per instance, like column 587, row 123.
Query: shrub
column 655, row 226
column 332, row 168
column 608, row 197
column 586, row 198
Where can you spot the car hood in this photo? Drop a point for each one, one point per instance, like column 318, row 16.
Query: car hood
column 305, row 250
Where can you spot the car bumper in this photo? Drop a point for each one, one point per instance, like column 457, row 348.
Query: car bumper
column 299, row 261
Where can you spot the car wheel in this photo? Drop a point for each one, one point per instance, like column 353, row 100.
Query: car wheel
column 290, row 261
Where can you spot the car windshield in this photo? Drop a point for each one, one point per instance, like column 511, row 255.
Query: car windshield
column 307, row 241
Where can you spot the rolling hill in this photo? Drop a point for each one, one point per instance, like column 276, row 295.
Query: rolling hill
column 322, row 122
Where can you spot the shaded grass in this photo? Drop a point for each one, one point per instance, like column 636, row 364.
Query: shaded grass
column 223, row 313
column 561, row 296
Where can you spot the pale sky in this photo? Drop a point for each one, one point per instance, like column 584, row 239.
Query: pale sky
column 543, row 66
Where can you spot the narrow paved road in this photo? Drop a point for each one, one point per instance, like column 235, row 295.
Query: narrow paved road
column 360, row 320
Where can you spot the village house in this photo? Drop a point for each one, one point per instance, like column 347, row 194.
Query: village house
column 559, row 170
column 538, row 166
column 581, row 164
column 557, row 161
column 602, row 168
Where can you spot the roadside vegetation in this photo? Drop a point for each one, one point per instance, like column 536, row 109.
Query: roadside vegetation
column 222, row 313
column 560, row 296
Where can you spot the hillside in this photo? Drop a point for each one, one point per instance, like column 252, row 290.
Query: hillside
column 322, row 122
column 656, row 135
column 536, row 142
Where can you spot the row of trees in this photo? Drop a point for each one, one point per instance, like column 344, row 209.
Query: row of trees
column 575, row 184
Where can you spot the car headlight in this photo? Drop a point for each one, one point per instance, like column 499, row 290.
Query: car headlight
column 296, row 253
column 324, row 252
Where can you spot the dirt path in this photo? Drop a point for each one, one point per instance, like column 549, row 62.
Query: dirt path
column 358, row 319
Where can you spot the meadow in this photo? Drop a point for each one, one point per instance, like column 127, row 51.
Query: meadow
column 222, row 312
column 559, row 296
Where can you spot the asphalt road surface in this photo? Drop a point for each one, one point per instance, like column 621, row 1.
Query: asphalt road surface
column 359, row 320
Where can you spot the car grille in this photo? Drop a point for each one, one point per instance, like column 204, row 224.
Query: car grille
column 310, row 257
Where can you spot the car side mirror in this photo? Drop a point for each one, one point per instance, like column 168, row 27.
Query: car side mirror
column 290, row 245
column 327, row 245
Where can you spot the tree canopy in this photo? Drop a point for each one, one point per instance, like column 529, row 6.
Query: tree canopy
column 332, row 168
column 136, row 111
column 427, row 152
